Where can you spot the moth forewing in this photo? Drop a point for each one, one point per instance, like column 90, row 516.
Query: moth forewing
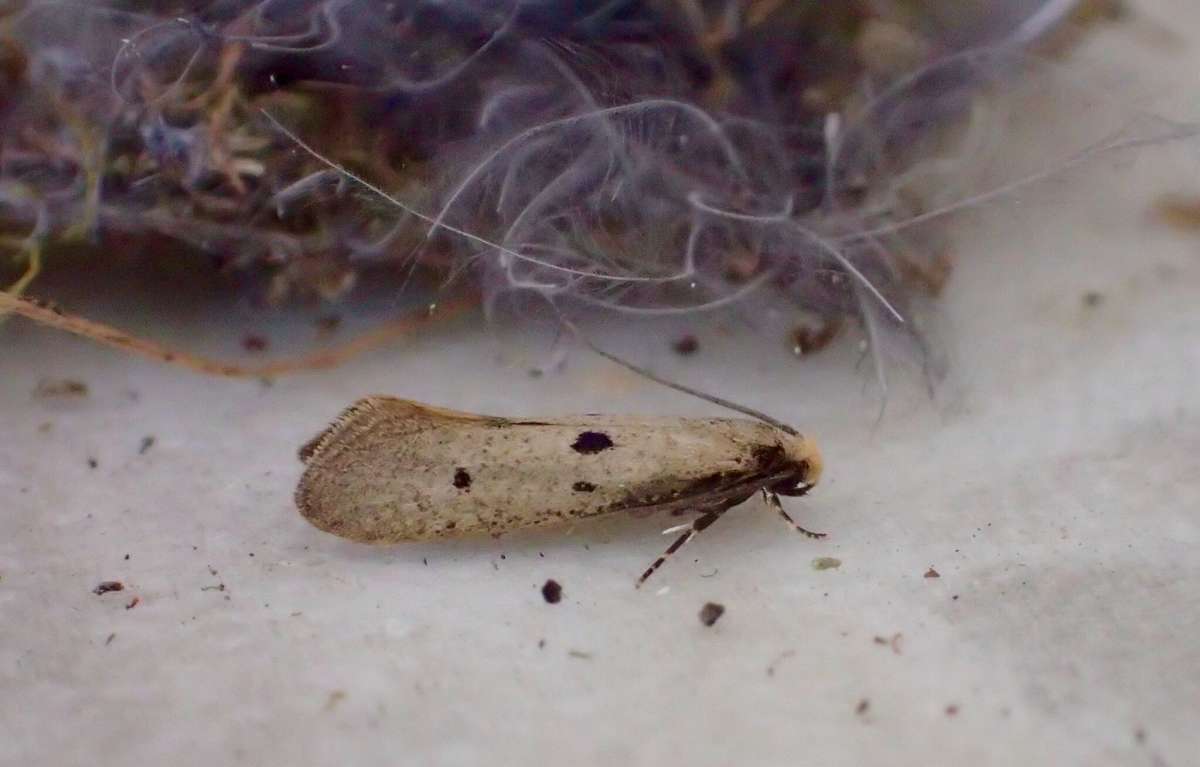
column 390, row 470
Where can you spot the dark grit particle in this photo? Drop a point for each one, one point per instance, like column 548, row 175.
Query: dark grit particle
column 895, row 642
column 583, row 487
column 711, row 613
column 329, row 323
column 931, row 573
column 49, row 388
column 591, row 442
column 686, row 346
column 254, row 343
column 107, row 586
column 552, row 592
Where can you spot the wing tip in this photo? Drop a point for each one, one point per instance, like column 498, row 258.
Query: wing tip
column 352, row 413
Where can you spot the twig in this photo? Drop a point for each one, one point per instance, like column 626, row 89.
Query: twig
column 320, row 360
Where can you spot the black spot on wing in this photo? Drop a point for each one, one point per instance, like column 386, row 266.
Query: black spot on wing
column 583, row 487
column 462, row 480
column 591, row 442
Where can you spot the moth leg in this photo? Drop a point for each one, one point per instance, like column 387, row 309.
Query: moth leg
column 698, row 525
column 773, row 501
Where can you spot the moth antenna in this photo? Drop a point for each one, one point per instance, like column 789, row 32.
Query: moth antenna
column 698, row 525
column 721, row 401
column 773, row 501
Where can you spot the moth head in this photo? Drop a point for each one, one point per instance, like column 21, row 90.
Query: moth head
column 803, row 462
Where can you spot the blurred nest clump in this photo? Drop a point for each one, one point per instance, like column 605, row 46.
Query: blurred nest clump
column 648, row 156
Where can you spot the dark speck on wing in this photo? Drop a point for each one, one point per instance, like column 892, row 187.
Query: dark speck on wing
column 462, row 480
column 591, row 442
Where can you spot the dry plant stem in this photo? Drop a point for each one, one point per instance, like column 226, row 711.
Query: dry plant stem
column 321, row 360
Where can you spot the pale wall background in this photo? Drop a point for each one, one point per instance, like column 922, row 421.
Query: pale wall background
column 1053, row 482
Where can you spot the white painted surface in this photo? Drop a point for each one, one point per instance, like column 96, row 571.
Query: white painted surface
column 1054, row 484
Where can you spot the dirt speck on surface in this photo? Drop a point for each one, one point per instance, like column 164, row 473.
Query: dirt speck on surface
column 711, row 613
column 931, row 573
column 826, row 563
column 328, row 324
column 93, row 463
column 775, row 663
column 579, row 654
column 146, row 443
column 552, row 591
column 110, row 639
column 952, row 709
column 60, row 388
column 254, row 343
column 133, row 603
column 335, row 697
column 106, row 586
column 863, row 707
column 895, row 642
column 1092, row 299
column 686, row 346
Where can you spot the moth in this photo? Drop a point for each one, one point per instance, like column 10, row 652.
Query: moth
column 389, row 470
